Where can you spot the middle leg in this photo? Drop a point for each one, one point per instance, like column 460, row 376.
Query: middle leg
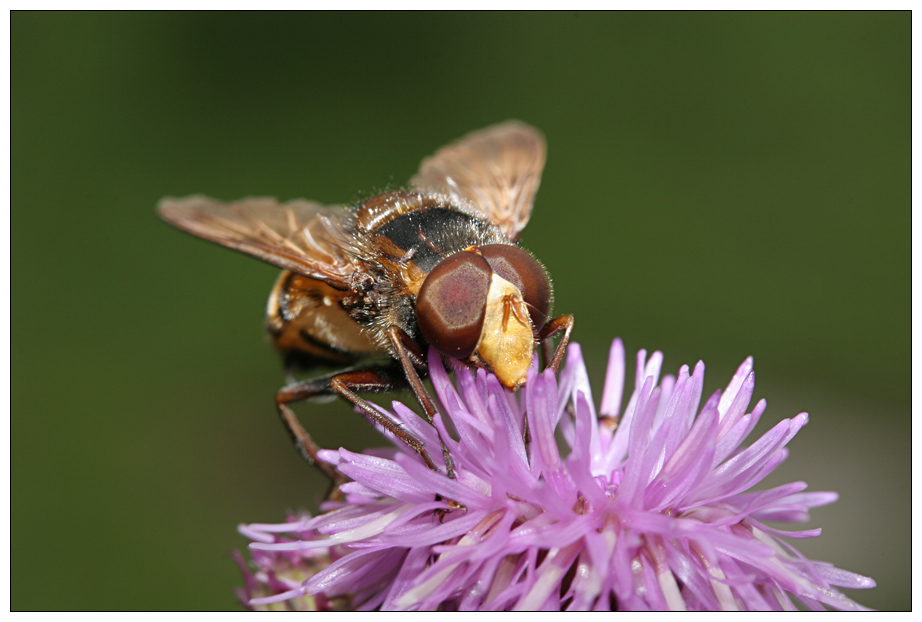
column 345, row 384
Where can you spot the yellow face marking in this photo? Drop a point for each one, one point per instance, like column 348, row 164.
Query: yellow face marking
column 507, row 341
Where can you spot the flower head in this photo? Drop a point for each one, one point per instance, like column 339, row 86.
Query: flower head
column 649, row 508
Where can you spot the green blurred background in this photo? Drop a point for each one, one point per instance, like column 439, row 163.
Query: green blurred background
column 718, row 185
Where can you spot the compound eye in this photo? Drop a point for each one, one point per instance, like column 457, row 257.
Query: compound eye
column 525, row 272
column 451, row 304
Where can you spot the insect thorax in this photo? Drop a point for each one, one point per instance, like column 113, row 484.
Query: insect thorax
column 403, row 235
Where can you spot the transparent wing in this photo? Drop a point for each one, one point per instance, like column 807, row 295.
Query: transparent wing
column 496, row 169
column 301, row 236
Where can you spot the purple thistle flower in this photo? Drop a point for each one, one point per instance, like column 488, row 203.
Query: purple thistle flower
column 647, row 509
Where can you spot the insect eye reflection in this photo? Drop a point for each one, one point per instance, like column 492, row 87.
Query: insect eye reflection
column 452, row 303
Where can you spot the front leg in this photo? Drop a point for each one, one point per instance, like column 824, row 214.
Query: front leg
column 411, row 357
column 563, row 323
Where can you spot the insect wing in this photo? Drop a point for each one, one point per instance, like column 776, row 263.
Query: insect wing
column 301, row 236
column 497, row 169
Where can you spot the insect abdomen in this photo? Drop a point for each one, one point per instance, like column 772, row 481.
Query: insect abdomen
column 306, row 322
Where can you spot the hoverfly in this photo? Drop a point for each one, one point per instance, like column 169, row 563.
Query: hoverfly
column 368, row 287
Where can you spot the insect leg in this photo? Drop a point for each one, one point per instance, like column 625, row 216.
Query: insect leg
column 301, row 438
column 410, row 357
column 373, row 381
column 345, row 384
column 563, row 323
